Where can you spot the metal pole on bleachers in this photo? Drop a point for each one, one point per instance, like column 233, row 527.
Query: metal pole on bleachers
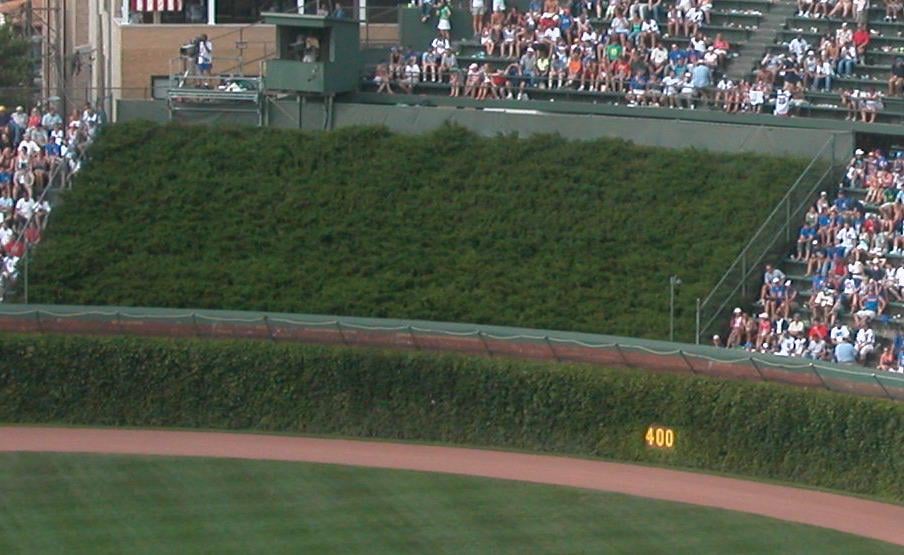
column 26, row 274
column 674, row 281
column 697, row 336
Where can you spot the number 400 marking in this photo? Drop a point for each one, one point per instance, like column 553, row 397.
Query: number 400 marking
column 660, row 437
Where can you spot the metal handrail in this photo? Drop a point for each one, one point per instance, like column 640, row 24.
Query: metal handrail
column 742, row 258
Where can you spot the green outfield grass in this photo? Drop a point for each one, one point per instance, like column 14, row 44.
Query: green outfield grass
column 54, row 503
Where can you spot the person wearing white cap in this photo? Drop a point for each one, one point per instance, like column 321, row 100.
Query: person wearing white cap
column 764, row 330
column 717, row 341
column 18, row 122
column 738, row 325
column 769, row 275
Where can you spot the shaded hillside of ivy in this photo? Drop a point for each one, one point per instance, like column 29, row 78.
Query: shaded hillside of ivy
column 538, row 232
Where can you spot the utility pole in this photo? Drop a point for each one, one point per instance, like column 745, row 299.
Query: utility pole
column 674, row 281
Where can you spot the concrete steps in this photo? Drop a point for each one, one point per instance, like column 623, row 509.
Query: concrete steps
column 772, row 23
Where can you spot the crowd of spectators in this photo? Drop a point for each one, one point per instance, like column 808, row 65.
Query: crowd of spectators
column 806, row 67
column 849, row 248
column 616, row 47
column 592, row 46
column 33, row 146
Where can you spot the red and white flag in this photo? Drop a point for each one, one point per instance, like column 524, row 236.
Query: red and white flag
column 156, row 5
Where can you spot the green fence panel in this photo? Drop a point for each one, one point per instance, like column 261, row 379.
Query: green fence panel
column 450, row 337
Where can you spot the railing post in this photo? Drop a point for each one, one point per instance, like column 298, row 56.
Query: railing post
column 555, row 355
column 38, row 320
column 622, row 355
column 788, row 219
column 883, row 387
column 269, row 329
column 26, row 271
column 686, row 361
column 757, row 368
column 824, row 384
column 122, row 330
column 697, row 337
column 413, row 338
column 194, row 321
column 486, row 346
column 342, row 335
column 744, row 273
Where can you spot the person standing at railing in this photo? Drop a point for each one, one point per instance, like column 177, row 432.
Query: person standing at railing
column 205, row 58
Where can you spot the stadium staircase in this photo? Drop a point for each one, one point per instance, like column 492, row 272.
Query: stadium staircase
column 887, row 326
column 769, row 24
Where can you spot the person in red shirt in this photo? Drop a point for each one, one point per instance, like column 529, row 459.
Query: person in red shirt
column 818, row 330
column 861, row 39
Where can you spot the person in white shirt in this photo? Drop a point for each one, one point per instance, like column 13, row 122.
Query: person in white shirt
column 42, row 211
column 756, row 98
column 844, row 35
column 839, row 332
column 205, row 56
column 865, row 343
column 816, row 349
column 670, row 85
column 846, row 237
column 9, row 267
column 823, row 74
column 786, row 345
column 25, row 208
column 782, row 103
column 800, row 346
column 6, row 234
column 412, row 75
column 798, row 46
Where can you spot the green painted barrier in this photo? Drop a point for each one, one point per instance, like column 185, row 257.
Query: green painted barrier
column 451, row 337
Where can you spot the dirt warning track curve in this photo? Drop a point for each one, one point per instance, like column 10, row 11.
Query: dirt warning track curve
column 847, row 514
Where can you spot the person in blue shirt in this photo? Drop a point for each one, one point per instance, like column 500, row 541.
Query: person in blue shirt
column 804, row 241
column 842, row 203
column 701, row 79
column 566, row 24
column 676, row 55
column 845, row 352
column 636, row 89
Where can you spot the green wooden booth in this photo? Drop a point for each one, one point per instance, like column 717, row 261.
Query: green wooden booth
column 317, row 54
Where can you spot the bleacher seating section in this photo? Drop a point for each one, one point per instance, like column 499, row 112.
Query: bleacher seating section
column 753, row 28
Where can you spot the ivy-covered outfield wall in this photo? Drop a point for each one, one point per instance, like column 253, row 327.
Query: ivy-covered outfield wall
column 448, row 226
column 759, row 430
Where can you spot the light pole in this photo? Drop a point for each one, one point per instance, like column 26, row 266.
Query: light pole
column 674, row 281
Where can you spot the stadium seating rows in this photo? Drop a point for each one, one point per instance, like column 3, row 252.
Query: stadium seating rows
column 764, row 68
column 843, row 295
column 36, row 148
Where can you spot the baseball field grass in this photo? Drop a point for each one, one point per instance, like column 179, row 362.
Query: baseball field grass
column 92, row 503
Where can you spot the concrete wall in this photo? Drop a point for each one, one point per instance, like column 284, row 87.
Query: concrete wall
column 718, row 137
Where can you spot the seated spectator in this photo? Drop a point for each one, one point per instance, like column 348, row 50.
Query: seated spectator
column 845, row 353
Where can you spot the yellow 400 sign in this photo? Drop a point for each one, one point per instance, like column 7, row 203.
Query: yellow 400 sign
column 660, row 437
